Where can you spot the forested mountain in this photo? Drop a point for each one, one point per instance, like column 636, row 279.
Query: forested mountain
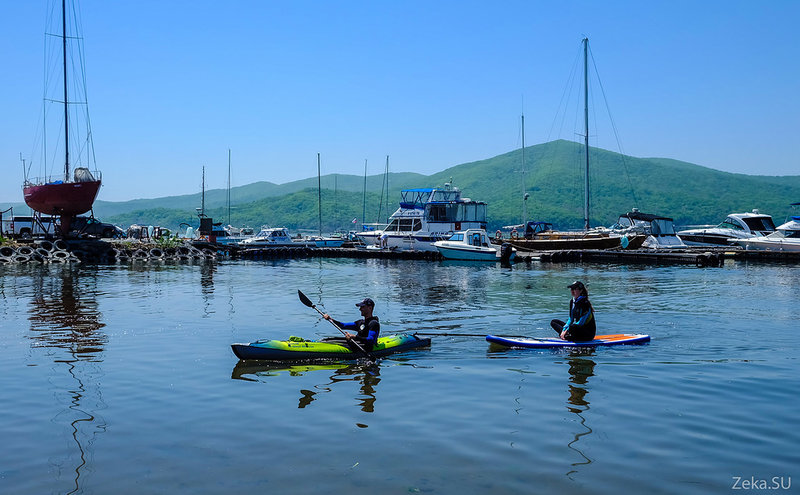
column 691, row 194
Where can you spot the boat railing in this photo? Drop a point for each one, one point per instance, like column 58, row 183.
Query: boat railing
column 57, row 179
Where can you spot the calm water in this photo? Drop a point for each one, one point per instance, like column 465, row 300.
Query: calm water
column 119, row 379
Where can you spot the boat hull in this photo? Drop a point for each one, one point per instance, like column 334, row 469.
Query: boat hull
column 560, row 243
column 599, row 341
column 705, row 239
column 281, row 350
column 763, row 244
column 456, row 253
column 68, row 198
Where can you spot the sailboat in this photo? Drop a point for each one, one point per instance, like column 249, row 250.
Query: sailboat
column 538, row 236
column 75, row 192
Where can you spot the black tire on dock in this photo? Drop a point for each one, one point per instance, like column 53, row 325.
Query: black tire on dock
column 46, row 245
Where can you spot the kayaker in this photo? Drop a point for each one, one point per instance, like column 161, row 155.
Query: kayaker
column 368, row 328
column 580, row 326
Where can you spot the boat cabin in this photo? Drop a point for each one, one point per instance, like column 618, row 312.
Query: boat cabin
column 660, row 230
column 476, row 238
column 749, row 222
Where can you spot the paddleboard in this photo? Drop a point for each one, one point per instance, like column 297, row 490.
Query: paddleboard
column 600, row 340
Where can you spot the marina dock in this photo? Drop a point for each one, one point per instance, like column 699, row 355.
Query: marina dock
column 101, row 252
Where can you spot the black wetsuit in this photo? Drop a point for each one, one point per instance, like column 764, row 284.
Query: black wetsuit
column 581, row 324
column 368, row 331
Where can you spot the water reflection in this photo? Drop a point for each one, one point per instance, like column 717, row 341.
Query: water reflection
column 366, row 375
column 66, row 322
column 580, row 369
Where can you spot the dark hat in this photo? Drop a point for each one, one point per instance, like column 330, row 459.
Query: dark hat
column 576, row 285
column 366, row 302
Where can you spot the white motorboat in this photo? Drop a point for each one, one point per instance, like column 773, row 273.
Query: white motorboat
column 660, row 230
column 785, row 238
column 474, row 245
column 273, row 237
column 735, row 226
column 427, row 215
column 328, row 242
column 231, row 236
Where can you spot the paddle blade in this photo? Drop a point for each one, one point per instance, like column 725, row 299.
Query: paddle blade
column 304, row 299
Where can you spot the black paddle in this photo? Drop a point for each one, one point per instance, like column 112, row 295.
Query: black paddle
column 305, row 300
column 433, row 334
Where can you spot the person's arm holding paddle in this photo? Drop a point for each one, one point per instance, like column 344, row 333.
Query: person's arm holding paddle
column 353, row 325
column 368, row 329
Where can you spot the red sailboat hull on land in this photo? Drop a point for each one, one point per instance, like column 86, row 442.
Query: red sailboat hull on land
column 67, row 198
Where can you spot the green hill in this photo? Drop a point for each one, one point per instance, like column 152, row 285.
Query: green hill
column 691, row 194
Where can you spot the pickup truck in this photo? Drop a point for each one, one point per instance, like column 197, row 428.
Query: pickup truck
column 26, row 227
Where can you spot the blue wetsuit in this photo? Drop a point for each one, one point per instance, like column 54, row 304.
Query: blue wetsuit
column 580, row 325
column 368, row 331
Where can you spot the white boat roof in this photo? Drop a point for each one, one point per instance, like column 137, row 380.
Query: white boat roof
column 793, row 224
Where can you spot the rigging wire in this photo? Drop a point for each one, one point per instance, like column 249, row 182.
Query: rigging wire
column 614, row 129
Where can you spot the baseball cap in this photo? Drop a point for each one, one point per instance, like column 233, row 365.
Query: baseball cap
column 366, row 302
column 576, row 285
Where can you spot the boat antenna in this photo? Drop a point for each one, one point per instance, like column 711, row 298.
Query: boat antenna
column 66, row 105
column 364, row 201
column 319, row 194
column 586, row 128
column 203, row 194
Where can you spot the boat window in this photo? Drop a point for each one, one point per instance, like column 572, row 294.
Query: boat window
column 456, row 237
column 625, row 222
column 406, row 224
column 439, row 213
column 417, row 224
column 392, row 227
column 794, row 234
column 730, row 224
column 762, row 223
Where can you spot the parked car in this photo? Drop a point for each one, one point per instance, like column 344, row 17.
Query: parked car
column 95, row 228
column 26, row 227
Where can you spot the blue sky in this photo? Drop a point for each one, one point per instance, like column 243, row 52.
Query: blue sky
column 172, row 85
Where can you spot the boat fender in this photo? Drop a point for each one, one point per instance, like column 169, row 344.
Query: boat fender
column 624, row 242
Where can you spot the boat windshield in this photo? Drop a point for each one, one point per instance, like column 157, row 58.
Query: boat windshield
column 414, row 198
column 760, row 223
column 662, row 227
column 456, row 238
column 730, row 223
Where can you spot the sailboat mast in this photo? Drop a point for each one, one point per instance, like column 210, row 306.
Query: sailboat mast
column 203, row 194
column 319, row 193
column 66, row 111
column 524, row 196
column 586, row 128
column 387, row 189
column 364, row 201
column 229, row 186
